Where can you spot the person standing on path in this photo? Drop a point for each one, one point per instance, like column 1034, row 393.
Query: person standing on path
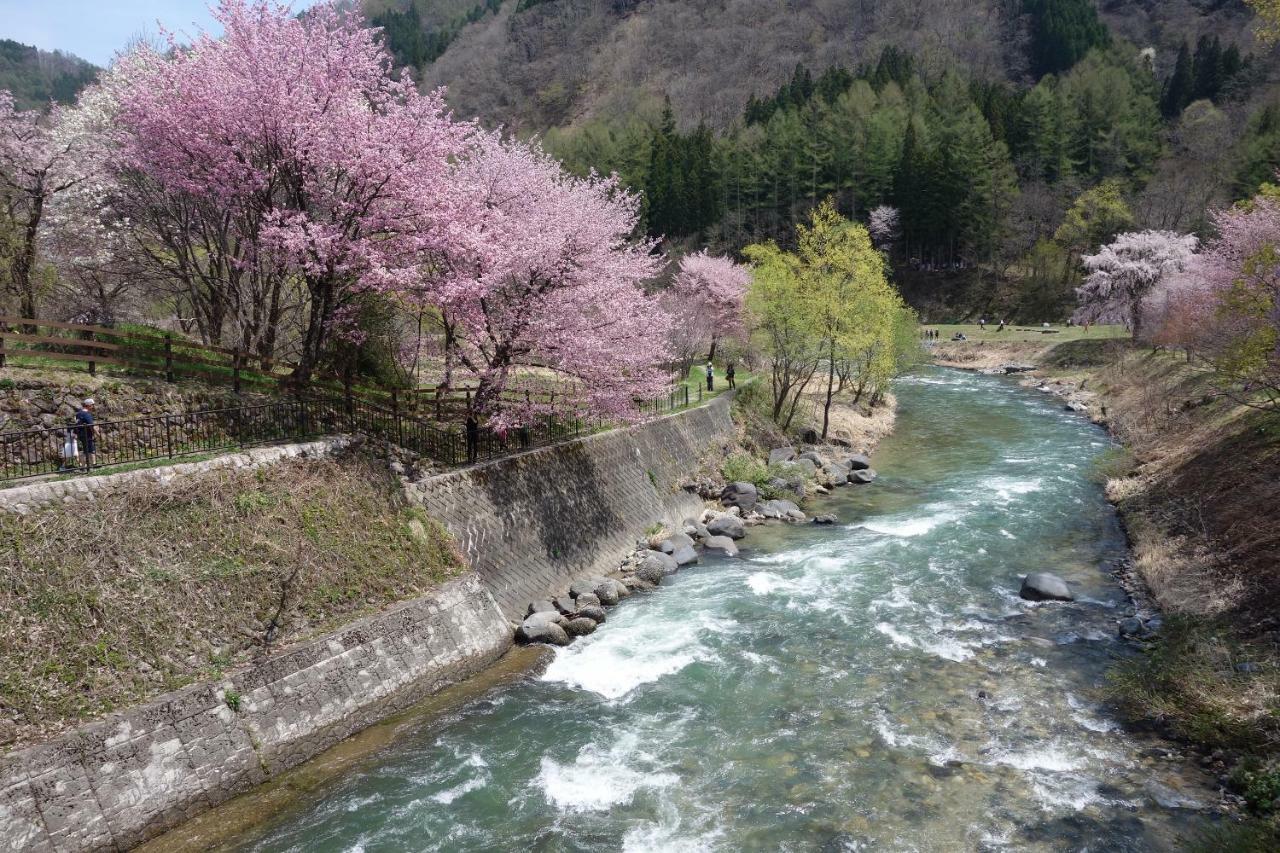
column 86, row 431
column 711, row 377
column 729, row 374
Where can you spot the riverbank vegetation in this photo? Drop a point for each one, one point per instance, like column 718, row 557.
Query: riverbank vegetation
column 111, row 602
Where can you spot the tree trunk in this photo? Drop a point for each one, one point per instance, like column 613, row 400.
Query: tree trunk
column 831, row 389
column 25, row 262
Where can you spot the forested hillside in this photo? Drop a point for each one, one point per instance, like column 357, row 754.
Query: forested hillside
column 1008, row 136
column 37, row 77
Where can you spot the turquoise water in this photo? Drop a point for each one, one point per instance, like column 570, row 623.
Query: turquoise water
column 878, row 685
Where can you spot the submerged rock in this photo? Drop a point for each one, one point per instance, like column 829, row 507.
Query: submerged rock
column 1132, row 627
column 864, row 477
column 825, row 519
column 1043, row 586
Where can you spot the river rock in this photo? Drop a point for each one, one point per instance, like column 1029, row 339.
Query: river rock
column 863, row 477
column 858, row 462
column 686, row 556
column 568, row 605
column 695, row 528
column 655, row 565
column 1077, row 407
column 540, row 606
column 836, row 475
column 825, row 519
column 727, row 525
column 1043, row 586
column 674, row 543
column 605, row 591
column 742, row 495
column 1017, row 368
column 722, row 545
column 1132, row 627
column 805, row 468
column 539, row 628
column 781, row 454
column 580, row 627
column 813, row 456
column 594, row 612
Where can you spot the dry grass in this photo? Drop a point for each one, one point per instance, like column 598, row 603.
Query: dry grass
column 110, row 603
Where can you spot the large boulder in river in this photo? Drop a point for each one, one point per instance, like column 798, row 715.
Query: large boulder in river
column 742, row 495
column 580, row 627
column 594, row 612
column 1043, row 586
column 727, row 525
column 835, row 475
column 542, row 628
column 721, row 545
column 863, row 477
column 655, row 565
column 781, row 454
column 858, row 462
column 686, row 556
column 675, row 542
column 781, row 509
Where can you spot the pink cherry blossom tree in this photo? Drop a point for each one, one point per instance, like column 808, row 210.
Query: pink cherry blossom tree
column 1123, row 273
column 290, row 133
column 553, row 282
column 37, row 163
column 707, row 303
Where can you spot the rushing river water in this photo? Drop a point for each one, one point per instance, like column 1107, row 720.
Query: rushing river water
column 878, row 685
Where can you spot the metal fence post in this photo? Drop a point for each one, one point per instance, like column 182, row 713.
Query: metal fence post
column 168, row 436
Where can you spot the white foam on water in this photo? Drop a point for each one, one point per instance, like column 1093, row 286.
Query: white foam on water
column 764, row 583
column 1048, row 757
column 1006, row 534
column 1008, row 488
column 447, row 797
column 615, row 662
column 598, row 778
column 665, row 837
column 947, row 648
column 910, row 527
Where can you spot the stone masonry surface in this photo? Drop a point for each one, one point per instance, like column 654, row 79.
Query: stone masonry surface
column 114, row 783
column 529, row 525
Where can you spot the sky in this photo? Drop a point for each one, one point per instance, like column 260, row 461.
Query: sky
column 96, row 29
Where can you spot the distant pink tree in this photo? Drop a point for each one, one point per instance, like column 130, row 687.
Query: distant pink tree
column 37, row 163
column 1225, row 305
column 706, row 301
column 323, row 165
column 553, row 281
column 1123, row 273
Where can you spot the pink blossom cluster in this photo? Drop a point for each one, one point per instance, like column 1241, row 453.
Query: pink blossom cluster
column 1124, row 272
column 323, row 168
column 706, row 301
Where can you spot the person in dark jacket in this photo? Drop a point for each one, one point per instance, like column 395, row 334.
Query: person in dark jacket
column 729, row 374
column 87, row 431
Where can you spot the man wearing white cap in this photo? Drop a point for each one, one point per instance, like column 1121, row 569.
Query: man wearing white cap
column 86, row 431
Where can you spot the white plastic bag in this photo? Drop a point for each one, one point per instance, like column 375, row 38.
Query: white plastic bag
column 70, row 450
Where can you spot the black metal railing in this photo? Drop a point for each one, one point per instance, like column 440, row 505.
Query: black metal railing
column 41, row 452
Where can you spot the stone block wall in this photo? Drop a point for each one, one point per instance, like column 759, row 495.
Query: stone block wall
column 115, row 783
column 531, row 524
column 528, row 524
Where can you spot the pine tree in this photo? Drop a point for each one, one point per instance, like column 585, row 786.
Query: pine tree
column 1207, row 68
column 1180, row 89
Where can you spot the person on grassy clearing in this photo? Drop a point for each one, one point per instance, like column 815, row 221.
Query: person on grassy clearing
column 711, row 374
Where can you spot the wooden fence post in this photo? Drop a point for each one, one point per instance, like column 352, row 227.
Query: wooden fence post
column 168, row 358
column 4, row 327
column 93, row 365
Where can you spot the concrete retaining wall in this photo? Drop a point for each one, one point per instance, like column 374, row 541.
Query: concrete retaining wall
column 117, row 782
column 531, row 524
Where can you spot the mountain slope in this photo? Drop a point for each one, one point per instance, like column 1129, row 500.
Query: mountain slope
column 541, row 63
column 36, row 77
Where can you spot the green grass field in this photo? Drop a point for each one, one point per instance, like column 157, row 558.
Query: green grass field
column 1017, row 333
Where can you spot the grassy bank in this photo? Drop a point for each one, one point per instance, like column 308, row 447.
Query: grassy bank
column 1198, row 488
column 109, row 603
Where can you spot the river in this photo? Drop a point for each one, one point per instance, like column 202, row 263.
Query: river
column 878, row 685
